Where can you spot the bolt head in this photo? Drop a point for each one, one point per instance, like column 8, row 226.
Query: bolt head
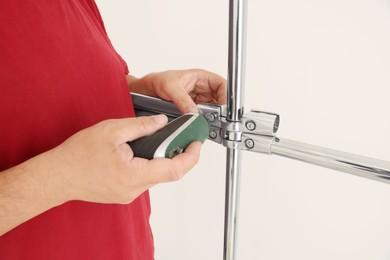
column 250, row 125
column 210, row 117
column 213, row 134
column 249, row 143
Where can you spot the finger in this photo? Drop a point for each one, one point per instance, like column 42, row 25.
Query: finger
column 221, row 95
column 209, row 85
column 193, row 148
column 134, row 128
column 217, row 85
column 182, row 100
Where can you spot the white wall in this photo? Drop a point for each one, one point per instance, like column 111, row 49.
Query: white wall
column 324, row 66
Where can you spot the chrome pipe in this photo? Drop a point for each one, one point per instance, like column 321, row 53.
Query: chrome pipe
column 146, row 106
column 236, row 59
column 232, row 200
column 235, row 111
column 341, row 161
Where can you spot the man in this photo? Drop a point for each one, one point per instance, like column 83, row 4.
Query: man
column 70, row 187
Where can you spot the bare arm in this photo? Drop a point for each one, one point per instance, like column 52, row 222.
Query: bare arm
column 94, row 165
column 26, row 191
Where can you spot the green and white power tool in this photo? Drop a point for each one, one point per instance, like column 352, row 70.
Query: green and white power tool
column 172, row 139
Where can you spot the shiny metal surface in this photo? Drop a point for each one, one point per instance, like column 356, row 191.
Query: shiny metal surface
column 258, row 138
column 341, row 161
column 232, row 200
column 146, row 105
column 259, row 122
column 236, row 59
column 235, row 110
column 256, row 143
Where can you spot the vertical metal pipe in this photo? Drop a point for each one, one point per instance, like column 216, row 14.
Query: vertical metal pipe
column 232, row 198
column 236, row 60
column 235, row 107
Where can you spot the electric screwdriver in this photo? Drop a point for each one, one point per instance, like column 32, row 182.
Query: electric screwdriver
column 173, row 138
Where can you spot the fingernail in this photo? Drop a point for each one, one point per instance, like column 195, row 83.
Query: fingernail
column 193, row 109
column 161, row 119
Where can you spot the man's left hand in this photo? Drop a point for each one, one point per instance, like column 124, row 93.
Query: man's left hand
column 185, row 88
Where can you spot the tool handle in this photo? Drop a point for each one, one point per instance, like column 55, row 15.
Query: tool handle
column 172, row 139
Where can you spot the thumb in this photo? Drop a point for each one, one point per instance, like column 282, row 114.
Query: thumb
column 134, row 128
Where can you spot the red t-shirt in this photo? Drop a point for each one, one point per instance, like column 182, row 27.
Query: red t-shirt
column 59, row 74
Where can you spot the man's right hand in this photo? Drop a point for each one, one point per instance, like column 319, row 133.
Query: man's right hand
column 97, row 164
column 94, row 165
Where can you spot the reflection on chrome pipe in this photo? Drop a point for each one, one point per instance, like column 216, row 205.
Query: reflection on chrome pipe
column 341, row 161
column 235, row 110
column 232, row 201
column 236, row 59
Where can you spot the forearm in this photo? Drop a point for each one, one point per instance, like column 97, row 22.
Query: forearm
column 142, row 85
column 82, row 168
column 26, row 191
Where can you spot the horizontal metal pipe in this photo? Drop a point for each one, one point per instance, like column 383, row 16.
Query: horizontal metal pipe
column 346, row 162
column 341, row 161
column 146, row 106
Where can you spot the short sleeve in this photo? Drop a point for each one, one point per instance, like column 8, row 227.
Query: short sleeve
column 93, row 8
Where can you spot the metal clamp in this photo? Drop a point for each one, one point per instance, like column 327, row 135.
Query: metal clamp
column 255, row 132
